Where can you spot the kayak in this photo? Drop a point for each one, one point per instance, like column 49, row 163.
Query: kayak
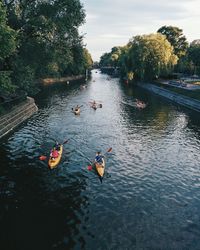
column 94, row 107
column 100, row 168
column 77, row 112
column 141, row 105
column 54, row 162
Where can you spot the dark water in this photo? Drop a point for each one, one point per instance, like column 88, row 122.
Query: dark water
column 149, row 197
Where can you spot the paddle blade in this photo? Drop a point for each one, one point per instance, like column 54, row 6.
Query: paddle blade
column 109, row 150
column 89, row 167
column 42, row 157
column 66, row 141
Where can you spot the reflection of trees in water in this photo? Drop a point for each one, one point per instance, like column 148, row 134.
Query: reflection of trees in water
column 194, row 122
column 159, row 115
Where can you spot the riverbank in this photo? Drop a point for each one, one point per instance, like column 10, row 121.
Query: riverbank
column 175, row 97
column 17, row 115
column 48, row 81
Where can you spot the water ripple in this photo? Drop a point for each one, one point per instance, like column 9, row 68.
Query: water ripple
column 149, row 197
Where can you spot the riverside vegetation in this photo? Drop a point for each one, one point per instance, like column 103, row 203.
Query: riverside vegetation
column 40, row 39
column 152, row 56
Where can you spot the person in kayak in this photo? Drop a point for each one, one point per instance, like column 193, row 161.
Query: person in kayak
column 99, row 158
column 54, row 153
column 77, row 108
column 94, row 105
column 57, row 146
column 140, row 104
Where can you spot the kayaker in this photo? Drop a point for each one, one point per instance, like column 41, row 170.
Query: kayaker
column 77, row 108
column 94, row 105
column 57, row 146
column 140, row 104
column 54, row 153
column 99, row 158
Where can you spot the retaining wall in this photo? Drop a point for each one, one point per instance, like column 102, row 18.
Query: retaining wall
column 178, row 98
column 16, row 116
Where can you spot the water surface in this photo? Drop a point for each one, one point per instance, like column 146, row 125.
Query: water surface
column 149, row 197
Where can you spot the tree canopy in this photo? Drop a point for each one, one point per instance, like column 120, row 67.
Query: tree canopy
column 7, row 36
column 194, row 55
column 48, row 39
column 150, row 56
column 175, row 36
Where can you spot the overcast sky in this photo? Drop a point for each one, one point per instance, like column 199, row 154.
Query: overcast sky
column 112, row 23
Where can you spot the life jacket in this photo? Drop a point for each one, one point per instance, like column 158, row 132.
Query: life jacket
column 55, row 153
column 99, row 158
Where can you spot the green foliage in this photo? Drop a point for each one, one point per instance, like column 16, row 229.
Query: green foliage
column 175, row 36
column 150, row 56
column 194, row 54
column 7, row 47
column 111, row 59
column 185, row 65
column 7, row 36
column 6, row 83
column 88, row 62
column 48, row 42
column 23, row 76
column 130, row 75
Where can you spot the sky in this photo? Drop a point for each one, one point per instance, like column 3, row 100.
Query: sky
column 112, row 23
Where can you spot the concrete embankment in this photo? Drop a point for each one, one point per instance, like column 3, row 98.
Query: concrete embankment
column 16, row 116
column 180, row 99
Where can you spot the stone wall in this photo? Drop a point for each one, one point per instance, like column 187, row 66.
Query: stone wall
column 178, row 98
column 16, row 116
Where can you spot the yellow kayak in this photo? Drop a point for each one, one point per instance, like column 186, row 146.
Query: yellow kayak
column 100, row 168
column 54, row 162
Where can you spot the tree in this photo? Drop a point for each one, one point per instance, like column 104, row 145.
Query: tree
column 105, row 60
column 7, row 36
column 194, row 56
column 88, row 62
column 150, row 56
column 48, row 37
column 175, row 36
column 7, row 47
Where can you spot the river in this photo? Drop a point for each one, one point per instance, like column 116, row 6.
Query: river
column 149, row 197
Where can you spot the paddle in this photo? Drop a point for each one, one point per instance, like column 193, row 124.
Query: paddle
column 44, row 157
column 89, row 167
column 78, row 107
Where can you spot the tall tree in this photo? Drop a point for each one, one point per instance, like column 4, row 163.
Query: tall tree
column 194, row 56
column 48, row 36
column 7, row 48
column 7, row 36
column 150, row 56
column 175, row 36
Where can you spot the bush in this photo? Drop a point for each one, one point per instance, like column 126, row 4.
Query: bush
column 6, row 83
